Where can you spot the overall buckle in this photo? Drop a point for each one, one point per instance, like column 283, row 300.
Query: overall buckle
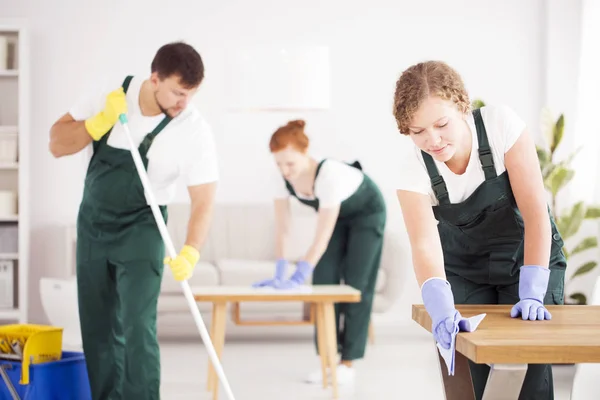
column 487, row 160
column 439, row 187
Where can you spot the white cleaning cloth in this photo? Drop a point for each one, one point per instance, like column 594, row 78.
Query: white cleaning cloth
column 464, row 325
column 297, row 289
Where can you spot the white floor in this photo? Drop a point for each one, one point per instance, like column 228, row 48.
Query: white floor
column 401, row 363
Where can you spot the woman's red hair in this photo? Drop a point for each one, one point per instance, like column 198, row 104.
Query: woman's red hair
column 291, row 134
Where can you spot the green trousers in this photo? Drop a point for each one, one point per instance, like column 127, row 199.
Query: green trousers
column 353, row 257
column 117, row 307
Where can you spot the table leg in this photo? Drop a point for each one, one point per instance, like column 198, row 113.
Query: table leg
column 505, row 381
column 329, row 311
column 219, row 323
column 321, row 330
column 459, row 386
column 211, row 370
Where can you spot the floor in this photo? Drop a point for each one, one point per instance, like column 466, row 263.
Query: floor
column 401, row 362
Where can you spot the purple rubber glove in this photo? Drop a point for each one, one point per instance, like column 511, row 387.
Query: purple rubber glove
column 439, row 303
column 280, row 269
column 303, row 271
column 533, row 282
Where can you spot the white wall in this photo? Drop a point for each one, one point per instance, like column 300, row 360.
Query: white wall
column 499, row 47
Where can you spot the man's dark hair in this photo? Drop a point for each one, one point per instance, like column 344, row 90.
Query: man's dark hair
column 179, row 59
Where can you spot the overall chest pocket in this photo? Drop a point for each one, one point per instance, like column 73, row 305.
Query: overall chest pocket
column 114, row 186
column 499, row 223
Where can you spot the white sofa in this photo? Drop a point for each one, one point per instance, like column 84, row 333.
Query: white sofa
column 239, row 251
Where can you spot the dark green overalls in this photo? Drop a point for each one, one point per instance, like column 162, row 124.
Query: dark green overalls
column 353, row 256
column 119, row 271
column 482, row 241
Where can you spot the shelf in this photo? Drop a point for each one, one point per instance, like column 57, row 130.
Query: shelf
column 9, row 129
column 9, row 218
column 9, row 314
column 9, row 256
column 9, row 72
column 9, row 165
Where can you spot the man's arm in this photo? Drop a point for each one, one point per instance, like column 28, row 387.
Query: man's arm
column 202, row 201
column 68, row 136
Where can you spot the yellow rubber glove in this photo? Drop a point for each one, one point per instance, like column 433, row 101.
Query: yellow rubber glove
column 183, row 265
column 115, row 105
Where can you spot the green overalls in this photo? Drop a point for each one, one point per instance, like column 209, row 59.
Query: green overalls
column 482, row 241
column 353, row 256
column 119, row 271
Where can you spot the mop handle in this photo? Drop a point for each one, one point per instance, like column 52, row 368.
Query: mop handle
column 172, row 253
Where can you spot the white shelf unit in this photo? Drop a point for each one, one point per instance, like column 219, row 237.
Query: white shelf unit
column 14, row 173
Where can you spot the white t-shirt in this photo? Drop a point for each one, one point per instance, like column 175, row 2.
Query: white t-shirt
column 503, row 127
column 335, row 182
column 184, row 148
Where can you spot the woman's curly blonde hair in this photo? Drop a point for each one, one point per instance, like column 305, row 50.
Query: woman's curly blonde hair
column 430, row 78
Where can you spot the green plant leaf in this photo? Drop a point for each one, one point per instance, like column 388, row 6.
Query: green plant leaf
column 558, row 178
column 588, row 243
column 477, row 103
column 543, row 157
column 569, row 223
column 567, row 254
column 579, row 298
column 592, row 212
column 585, row 268
column 557, row 133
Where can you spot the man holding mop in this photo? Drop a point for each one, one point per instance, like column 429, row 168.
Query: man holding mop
column 120, row 252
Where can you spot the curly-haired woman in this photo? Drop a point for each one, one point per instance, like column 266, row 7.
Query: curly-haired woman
column 474, row 206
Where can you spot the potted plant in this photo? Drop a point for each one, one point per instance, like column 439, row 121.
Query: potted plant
column 557, row 174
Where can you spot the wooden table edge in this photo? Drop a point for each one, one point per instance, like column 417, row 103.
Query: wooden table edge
column 308, row 298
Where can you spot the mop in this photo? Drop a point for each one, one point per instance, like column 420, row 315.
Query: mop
column 172, row 253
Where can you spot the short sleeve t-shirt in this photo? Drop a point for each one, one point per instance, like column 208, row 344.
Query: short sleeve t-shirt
column 184, row 148
column 503, row 127
column 335, row 182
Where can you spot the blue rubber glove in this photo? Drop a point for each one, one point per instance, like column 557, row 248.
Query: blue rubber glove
column 439, row 303
column 533, row 282
column 303, row 271
column 280, row 269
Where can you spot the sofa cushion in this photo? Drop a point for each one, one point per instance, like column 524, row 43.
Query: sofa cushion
column 205, row 274
column 172, row 303
column 236, row 272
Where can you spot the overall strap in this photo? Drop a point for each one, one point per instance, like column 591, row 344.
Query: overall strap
column 289, row 185
column 485, row 153
column 437, row 182
column 356, row 164
column 318, row 169
column 126, row 82
column 147, row 142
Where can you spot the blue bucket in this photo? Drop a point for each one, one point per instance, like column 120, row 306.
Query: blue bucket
column 65, row 379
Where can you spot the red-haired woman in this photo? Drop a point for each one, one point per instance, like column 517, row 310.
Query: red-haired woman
column 348, row 241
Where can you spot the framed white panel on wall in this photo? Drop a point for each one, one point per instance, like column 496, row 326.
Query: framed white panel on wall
column 278, row 78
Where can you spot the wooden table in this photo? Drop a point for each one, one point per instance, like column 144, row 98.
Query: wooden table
column 321, row 297
column 508, row 344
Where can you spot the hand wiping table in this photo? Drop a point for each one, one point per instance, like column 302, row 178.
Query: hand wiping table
column 464, row 325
